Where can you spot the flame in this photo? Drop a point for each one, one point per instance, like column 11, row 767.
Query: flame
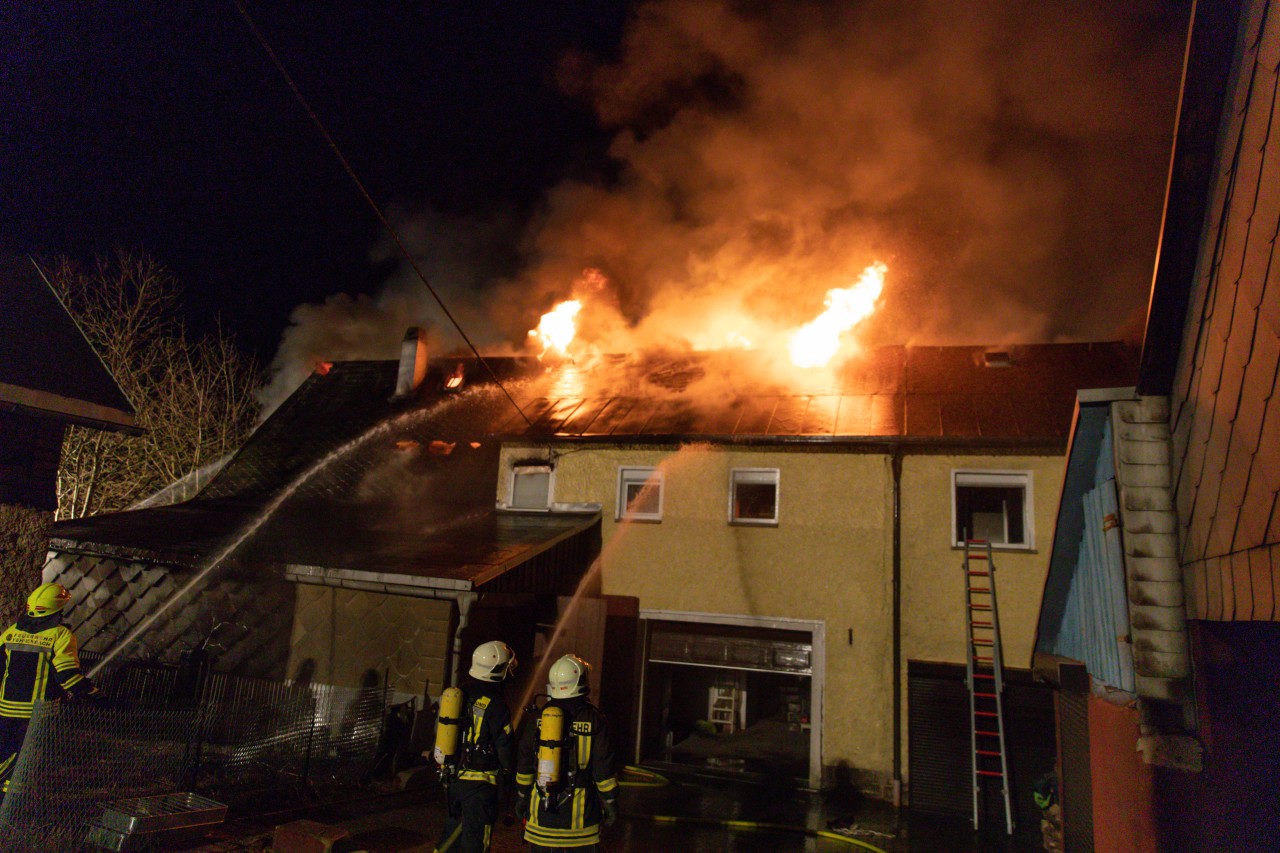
column 814, row 343
column 558, row 326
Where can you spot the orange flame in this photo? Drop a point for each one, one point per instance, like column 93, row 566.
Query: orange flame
column 816, row 342
column 558, row 326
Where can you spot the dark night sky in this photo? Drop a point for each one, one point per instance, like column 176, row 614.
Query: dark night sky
column 1000, row 156
column 161, row 125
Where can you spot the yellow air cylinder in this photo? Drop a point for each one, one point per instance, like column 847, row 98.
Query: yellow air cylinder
column 551, row 730
column 447, row 725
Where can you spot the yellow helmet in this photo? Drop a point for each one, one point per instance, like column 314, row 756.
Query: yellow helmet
column 48, row 598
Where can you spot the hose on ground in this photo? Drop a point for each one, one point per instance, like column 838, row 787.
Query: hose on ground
column 639, row 777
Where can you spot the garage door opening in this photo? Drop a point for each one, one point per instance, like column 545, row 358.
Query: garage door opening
column 736, row 696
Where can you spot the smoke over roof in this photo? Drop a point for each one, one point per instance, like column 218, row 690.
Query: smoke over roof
column 1005, row 161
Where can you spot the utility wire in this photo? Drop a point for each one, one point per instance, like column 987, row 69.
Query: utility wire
column 373, row 205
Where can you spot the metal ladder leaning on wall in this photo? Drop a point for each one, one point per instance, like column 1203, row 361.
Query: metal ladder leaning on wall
column 984, row 677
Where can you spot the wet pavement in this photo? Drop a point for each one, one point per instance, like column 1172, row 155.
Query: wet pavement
column 681, row 816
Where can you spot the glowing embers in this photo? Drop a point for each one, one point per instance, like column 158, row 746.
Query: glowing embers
column 455, row 380
column 558, row 326
column 814, row 343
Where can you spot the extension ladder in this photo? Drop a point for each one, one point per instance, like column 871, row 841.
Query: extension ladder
column 985, row 676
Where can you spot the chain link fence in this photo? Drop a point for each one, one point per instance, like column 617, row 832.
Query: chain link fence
column 242, row 742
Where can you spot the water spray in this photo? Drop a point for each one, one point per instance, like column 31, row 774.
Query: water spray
column 374, row 432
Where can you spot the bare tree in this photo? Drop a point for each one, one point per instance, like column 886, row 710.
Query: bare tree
column 193, row 398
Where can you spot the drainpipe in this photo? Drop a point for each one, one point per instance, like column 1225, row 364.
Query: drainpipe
column 465, row 600
column 897, row 626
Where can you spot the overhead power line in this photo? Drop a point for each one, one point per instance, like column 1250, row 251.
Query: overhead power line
column 373, row 205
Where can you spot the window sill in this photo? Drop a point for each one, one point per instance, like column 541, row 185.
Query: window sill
column 637, row 519
column 1003, row 549
column 746, row 522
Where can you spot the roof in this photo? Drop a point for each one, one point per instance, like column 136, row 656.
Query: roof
column 351, row 478
column 962, row 395
column 1211, row 49
column 326, row 542
column 46, row 364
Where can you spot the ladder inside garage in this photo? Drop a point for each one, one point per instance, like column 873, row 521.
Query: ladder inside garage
column 985, row 678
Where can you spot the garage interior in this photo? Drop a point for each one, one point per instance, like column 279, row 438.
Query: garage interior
column 727, row 699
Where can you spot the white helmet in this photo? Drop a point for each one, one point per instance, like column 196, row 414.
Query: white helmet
column 568, row 678
column 492, row 661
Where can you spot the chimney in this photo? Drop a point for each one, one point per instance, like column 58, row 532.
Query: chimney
column 413, row 361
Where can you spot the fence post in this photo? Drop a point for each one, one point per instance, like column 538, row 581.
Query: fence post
column 305, row 781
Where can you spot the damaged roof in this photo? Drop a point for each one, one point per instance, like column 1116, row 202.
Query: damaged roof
column 354, row 478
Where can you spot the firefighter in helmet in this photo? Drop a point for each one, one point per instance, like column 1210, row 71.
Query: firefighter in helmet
column 40, row 662
column 474, row 749
column 566, row 782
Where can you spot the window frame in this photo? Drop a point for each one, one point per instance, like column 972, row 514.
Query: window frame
column 650, row 474
column 525, row 467
column 998, row 478
column 772, row 476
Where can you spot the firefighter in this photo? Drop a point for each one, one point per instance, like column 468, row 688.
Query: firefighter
column 476, row 757
column 40, row 662
column 566, row 784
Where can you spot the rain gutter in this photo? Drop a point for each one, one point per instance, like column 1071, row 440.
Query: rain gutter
column 1056, row 443
column 897, row 625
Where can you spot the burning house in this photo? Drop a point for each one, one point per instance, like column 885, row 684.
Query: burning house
column 768, row 573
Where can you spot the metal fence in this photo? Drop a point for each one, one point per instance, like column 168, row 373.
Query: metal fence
column 239, row 741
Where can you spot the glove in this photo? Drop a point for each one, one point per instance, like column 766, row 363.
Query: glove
column 522, row 806
column 95, row 698
column 610, row 808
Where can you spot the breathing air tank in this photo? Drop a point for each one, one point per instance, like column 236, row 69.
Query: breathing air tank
column 551, row 730
column 447, row 725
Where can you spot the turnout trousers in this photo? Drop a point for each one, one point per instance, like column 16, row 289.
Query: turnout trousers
column 473, row 809
column 13, row 731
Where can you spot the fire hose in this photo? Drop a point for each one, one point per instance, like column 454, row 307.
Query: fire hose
column 650, row 779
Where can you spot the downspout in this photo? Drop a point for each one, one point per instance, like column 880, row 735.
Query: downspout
column 465, row 600
column 897, row 625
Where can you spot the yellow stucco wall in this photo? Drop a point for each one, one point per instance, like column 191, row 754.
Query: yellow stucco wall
column 346, row 633
column 933, row 626
column 829, row 559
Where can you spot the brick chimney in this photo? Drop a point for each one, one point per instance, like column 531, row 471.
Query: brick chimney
column 413, row 361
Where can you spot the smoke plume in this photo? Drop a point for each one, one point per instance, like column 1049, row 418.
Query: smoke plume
column 1006, row 161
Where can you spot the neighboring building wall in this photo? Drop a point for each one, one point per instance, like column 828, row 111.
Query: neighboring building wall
column 24, row 538
column 347, row 634
column 1124, row 818
column 29, row 450
column 1225, row 412
column 828, row 559
column 251, row 608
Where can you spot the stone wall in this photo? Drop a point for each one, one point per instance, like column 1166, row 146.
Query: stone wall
column 24, row 539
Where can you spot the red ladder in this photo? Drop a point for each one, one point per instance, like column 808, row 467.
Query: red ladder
column 984, row 676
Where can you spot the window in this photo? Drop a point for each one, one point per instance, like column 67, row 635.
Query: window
column 639, row 494
column 753, row 496
column 992, row 505
column 530, row 487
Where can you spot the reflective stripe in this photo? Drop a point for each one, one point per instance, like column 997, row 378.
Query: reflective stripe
column 524, row 779
column 490, row 776
column 579, row 807
column 13, row 646
column 607, row 785
column 546, row 837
